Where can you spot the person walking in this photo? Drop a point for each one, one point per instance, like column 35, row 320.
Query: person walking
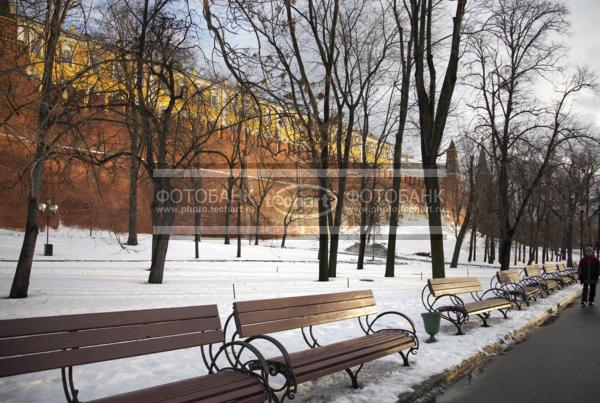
column 588, row 271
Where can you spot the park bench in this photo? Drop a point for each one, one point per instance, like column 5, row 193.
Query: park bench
column 255, row 320
column 553, row 269
column 566, row 271
column 534, row 273
column 442, row 295
column 521, row 290
column 64, row 342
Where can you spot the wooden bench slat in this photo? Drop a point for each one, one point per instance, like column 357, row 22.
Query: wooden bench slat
column 332, row 350
column 298, row 311
column 353, row 360
column 509, row 276
column 85, row 338
column 453, row 285
column 486, row 305
column 532, row 270
column 456, row 290
column 295, row 323
column 230, row 395
column 206, row 385
column 277, row 303
column 439, row 281
column 457, row 284
column 160, row 392
column 56, row 324
column 221, row 391
column 88, row 355
column 532, row 290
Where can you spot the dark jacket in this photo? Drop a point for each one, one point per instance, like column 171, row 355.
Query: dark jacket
column 589, row 269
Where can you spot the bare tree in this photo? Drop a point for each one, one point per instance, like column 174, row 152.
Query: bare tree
column 366, row 38
column 434, row 108
column 159, row 51
column 51, row 117
column 406, row 64
column 378, row 121
column 291, row 63
column 263, row 184
column 461, row 214
column 511, row 49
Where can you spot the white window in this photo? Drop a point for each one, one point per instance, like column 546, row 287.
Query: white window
column 67, row 53
column 214, row 98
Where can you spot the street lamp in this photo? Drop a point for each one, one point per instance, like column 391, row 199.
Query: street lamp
column 47, row 207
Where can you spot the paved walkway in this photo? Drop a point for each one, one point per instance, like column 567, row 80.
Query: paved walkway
column 560, row 362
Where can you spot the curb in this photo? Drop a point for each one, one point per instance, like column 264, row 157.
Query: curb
column 427, row 390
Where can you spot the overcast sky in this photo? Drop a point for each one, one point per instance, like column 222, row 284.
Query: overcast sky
column 585, row 47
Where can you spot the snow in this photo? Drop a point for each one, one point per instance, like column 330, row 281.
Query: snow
column 96, row 274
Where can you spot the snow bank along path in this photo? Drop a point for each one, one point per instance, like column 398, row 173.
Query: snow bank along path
column 77, row 287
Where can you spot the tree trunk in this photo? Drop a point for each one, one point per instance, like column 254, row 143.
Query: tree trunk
column 228, row 210
column 531, row 256
column 486, row 246
column 434, row 215
column 473, row 241
column 504, row 248
column 458, row 244
column 506, row 237
column 57, row 11
column 285, row 230
column 197, row 184
column 361, row 251
column 337, row 223
column 238, row 225
column 467, row 219
column 162, row 220
column 20, row 284
column 133, row 185
column 257, row 225
column 323, row 229
column 470, row 246
column 390, row 261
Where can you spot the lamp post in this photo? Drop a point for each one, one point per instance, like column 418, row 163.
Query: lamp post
column 47, row 207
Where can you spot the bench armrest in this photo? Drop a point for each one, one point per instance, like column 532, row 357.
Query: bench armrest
column 237, row 348
column 496, row 292
column 431, row 302
column 368, row 328
column 277, row 368
column 537, row 279
column 253, row 363
column 513, row 287
column 552, row 276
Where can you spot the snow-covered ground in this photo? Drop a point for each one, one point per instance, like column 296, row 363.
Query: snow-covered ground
column 96, row 274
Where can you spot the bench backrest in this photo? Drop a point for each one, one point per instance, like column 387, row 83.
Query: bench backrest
column 38, row 344
column 532, row 270
column 562, row 266
column 277, row 314
column 508, row 276
column 550, row 267
column 453, row 285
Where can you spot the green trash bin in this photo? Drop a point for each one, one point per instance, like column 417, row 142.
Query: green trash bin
column 431, row 320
